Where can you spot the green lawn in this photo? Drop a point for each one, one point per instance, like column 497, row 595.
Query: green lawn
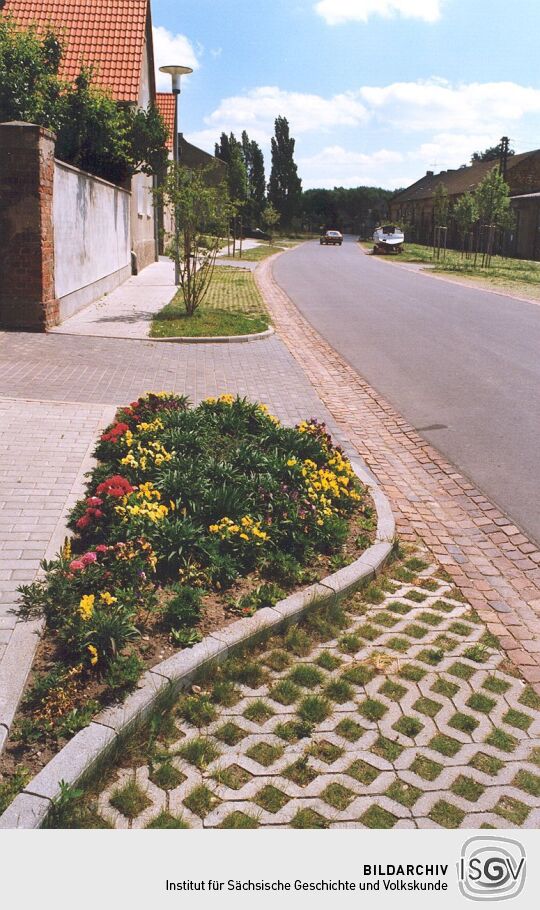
column 257, row 253
column 233, row 306
column 519, row 276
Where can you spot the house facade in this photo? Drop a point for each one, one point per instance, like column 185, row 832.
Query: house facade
column 114, row 39
column 414, row 206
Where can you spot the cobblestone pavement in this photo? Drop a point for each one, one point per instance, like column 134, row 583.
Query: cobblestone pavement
column 495, row 565
column 398, row 711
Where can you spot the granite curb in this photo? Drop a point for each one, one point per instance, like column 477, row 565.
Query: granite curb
column 163, row 682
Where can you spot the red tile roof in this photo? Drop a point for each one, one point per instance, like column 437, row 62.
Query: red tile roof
column 108, row 35
column 165, row 103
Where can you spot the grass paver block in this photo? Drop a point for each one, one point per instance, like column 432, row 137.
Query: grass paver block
column 377, row 817
column 426, row 768
column 446, row 814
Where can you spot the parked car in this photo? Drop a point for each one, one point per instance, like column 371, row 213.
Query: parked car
column 331, row 237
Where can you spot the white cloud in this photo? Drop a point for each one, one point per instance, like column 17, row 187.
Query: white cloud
column 171, row 49
column 438, row 105
column 337, row 166
column 258, row 108
column 336, row 12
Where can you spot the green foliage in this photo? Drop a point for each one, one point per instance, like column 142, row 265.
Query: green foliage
column 441, row 205
column 492, row 198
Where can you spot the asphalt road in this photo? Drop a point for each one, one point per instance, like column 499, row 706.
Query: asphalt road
column 461, row 365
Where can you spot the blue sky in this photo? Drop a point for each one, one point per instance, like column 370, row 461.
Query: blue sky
column 376, row 91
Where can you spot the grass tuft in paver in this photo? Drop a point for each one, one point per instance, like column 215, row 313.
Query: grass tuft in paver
column 386, row 748
column 308, row 818
column 225, row 693
column 285, row 692
column 392, row 690
column 445, row 687
column 359, row 674
column 388, row 620
column 294, row 730
column 430, row 619
column 467, row 788
column 488, row 764
column 403, row 793
column 415, row 631
column 233, row 777
column 398, row 644
column 265, row 754
column 230, row 734
column 350, row 644
column 460, row 628
column 278, row 660
column 518, row 719
column 300, row 772
column 534, row 756
column 130, row 800
column 239, row 820
column 306, row 675
column 408, row 726
column 443, row 607
column 513, row 810
column 328, row 661
column 446, row 745
column 166, row 776
column 482, row 703
column 397, row 607
column 201, row 801
column 338, row 796
column 340, row 691
column 415, row 564
column 199, row 752
column 350, row 730
column 446, row 814
column 197, row 710
column 372, row 709
column 466, row 723
column 377, row 817
column 373, row 594
column 412, row 672
column 477, row 653
column 530, row 699
column 404, row 575
column 167, row 821
column 429, row 584
column 259, row 712
column 528, row 782
column 501, row 740
column 427, row 706
column 363, row 772
column 462, row 671
column 246, row 672
column 431, row 656
column 445, row 642
column 417, row 597
column 326, row 751
column 369, row 632
column 314, row 709
column 426, row 768
column 271, row 799
column 298, row 641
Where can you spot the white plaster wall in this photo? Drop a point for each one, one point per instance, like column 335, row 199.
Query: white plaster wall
column 92, row 235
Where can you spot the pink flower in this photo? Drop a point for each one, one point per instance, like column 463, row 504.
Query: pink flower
column 102, row 548
column 88, row 559
column 94, row 501
column 77, row 565
column 83, row 522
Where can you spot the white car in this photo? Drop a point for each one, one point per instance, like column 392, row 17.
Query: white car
column 331, row 237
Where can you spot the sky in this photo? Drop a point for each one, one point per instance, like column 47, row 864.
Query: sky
column 376, row 91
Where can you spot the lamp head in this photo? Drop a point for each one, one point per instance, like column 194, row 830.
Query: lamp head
column 176, row 72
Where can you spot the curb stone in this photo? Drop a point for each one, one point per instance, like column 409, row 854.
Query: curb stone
column 162, row 683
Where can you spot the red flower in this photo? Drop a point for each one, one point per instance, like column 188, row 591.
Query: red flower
column 88, row 559
column 83, row 522
column 76, row 565
column 94, row 501
column 115, row 433
column 102, row 548
column 115, row 486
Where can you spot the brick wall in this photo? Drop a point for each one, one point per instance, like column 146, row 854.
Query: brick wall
column 27, row 295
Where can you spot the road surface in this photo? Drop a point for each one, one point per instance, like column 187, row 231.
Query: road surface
column 461, row 365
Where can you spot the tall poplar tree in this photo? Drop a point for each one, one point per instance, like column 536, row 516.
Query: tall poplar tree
column 285, row 186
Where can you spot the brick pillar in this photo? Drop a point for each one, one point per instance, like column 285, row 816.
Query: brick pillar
column 27, row 295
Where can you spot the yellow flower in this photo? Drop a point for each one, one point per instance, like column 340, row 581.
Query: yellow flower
column 66, row 549
column 291, row 462
column 86, row 607
column 94, row 656
column 108, row 598
column 244, row 536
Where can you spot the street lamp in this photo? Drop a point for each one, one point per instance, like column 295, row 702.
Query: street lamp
column 176, row 72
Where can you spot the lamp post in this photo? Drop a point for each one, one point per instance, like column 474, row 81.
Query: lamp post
column 176, row 73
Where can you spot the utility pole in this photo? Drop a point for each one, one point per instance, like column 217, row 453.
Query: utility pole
column 503, row 159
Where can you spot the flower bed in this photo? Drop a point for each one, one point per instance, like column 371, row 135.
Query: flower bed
column 192, row 516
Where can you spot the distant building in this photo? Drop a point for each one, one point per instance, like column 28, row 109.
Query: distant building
column 414, row 206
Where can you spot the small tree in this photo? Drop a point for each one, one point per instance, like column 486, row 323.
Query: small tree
column 270, row 217
column 285, row 186
column 202, row 211
column 493, row 203
column 466, row 216
column 441, row 210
